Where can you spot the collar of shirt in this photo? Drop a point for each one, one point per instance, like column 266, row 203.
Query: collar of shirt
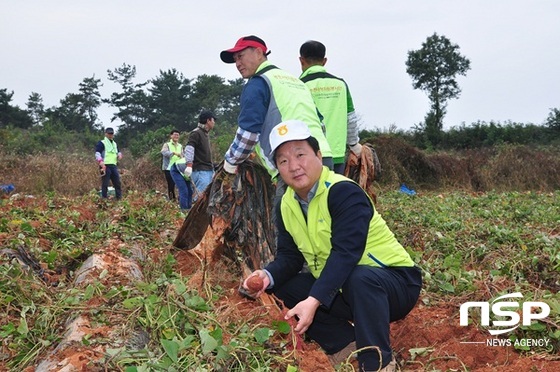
column 305, row 204
column 313, row 70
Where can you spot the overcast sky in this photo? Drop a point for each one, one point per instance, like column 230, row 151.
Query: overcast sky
column 49, row 47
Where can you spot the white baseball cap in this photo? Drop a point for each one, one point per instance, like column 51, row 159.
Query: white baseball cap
column 289, row 130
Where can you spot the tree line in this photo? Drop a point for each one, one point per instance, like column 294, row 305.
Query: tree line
column 148, row 110
column 167, row 101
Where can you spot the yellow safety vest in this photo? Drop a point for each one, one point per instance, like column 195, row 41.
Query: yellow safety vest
column 313, row 236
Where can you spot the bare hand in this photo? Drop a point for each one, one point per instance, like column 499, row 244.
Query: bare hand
column 265, row 282
column 305, row 312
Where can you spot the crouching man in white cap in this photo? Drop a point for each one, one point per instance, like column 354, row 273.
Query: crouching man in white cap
column 360, row 277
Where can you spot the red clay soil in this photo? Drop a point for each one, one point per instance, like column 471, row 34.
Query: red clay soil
column 437, row 328
column 433, row 329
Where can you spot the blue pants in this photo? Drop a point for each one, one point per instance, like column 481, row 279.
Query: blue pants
column 371, row 298
column 111, row 175
column 184, row 187
column 201, row 180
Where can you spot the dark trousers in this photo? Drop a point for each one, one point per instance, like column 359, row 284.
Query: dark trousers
column 371, row 298
column 339, row 168
column 170, row 185
column 111, row 175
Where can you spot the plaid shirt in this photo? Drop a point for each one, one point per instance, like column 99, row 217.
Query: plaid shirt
column 255, row 100
column 242, row 146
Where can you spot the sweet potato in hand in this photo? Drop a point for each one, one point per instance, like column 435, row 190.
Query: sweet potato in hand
column 254, row 283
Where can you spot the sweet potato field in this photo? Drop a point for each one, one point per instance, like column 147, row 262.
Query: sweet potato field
column 150, row 307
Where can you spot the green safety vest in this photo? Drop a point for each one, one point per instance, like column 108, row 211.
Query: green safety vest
column 333, row 99
column 174, row 148
column 289, row 100
column 111, row 152
column 313, row 236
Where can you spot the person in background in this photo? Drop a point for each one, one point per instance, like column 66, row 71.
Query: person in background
column 171, row 151
column 360, row 277
column 183, row 183
column 333, row 100
column 270, row 96
column 198, row 154
column 107, row 156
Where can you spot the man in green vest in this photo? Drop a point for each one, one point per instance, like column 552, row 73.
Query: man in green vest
column 270, row 96
column 360, row 277
column 171, row 151
column 107, row 155
column 333, row 99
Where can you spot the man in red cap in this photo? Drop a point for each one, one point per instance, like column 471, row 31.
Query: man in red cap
column 270, row 96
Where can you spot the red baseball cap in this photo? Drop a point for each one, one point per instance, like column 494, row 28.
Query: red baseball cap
column 243, row 43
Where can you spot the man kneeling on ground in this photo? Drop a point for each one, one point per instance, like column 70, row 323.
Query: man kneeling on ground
column 360, row 278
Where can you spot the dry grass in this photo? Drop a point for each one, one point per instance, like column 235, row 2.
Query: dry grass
column 74, row 174
column 522, row 168
column 506, row 168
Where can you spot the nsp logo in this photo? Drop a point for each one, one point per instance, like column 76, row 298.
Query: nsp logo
column 499, row 308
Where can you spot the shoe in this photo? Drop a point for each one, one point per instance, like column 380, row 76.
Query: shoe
column 391, row 367
column 342, row 355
